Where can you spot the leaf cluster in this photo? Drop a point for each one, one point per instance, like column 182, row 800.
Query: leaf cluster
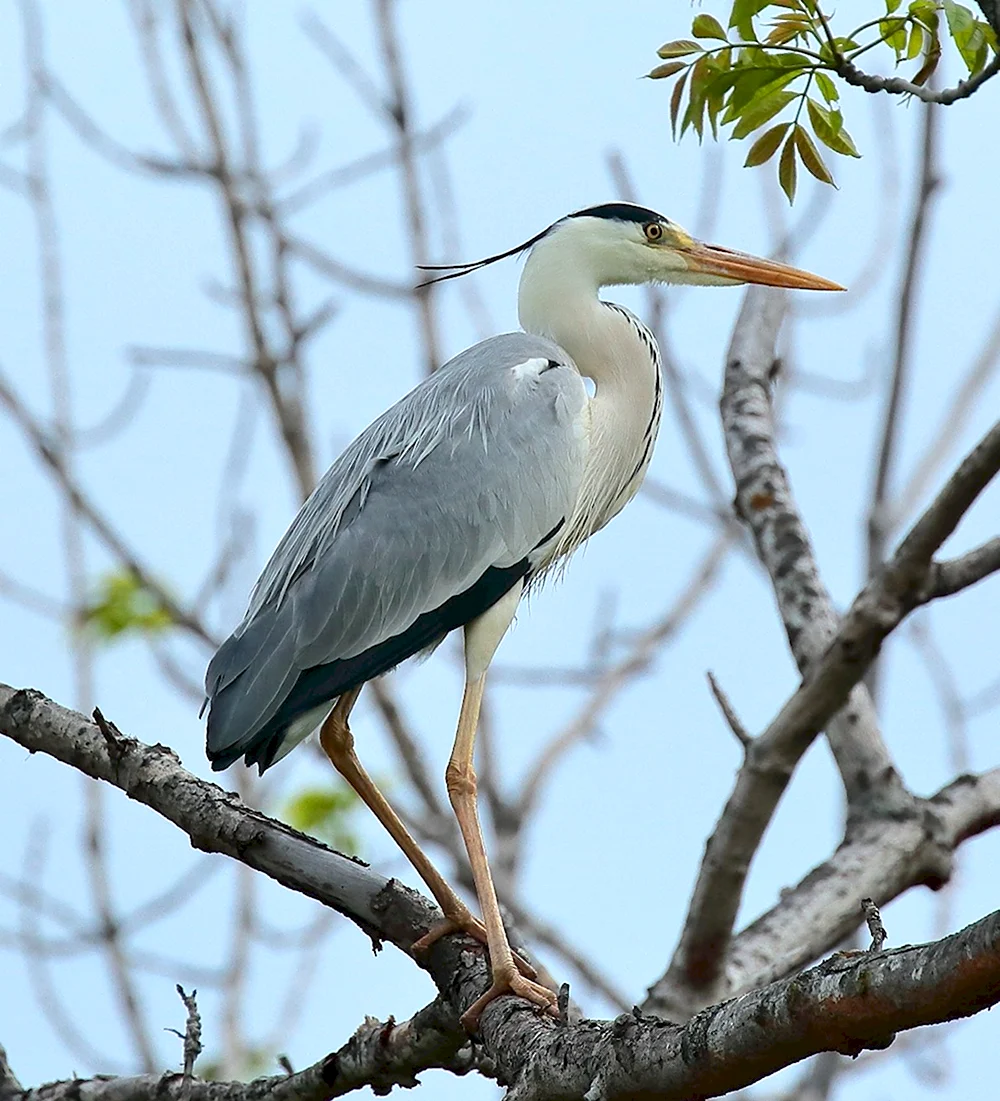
column 123, row 604
column 325, row 813
column 782, row 56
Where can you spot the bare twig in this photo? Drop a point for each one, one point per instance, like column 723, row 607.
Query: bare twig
column 881, row 857
column 623, row 672
column 31, row 598
column 400, row 111
column 898, row 989
column 873, row 919
column 285, row 401
column 878, row 515
column 951, row 576
column 728, row 712
column 897, row 86
column 119, row 963
column 952, row 420
column 95, row 519
column 422, row 142
column 192, row 1030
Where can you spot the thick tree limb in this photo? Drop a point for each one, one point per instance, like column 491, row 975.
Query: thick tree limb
column 380, row 1055
column 849, row 1003
column 906, row 582
column 10, row 1087
column 765, row 503
column 216, row 820
column 880, row 858
column 846, row 1004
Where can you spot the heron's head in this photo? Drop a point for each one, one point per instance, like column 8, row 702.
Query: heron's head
column 623, row 243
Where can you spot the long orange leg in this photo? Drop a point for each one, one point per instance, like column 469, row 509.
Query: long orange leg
column 481, row 639
column 338, row 744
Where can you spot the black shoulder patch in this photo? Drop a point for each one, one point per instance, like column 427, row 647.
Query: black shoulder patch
column 620, row 212
column 326, row 682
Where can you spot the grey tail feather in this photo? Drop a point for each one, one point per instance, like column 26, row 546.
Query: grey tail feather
column 247, row 681
column 238, row 728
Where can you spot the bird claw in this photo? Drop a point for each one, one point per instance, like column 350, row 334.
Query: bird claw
column 513, row 983
column 472, row 927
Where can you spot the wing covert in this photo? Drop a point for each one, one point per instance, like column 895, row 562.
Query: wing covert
column 468, row 474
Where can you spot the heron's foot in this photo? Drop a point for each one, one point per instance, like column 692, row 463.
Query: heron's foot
column 473, row 927
column 510, row 982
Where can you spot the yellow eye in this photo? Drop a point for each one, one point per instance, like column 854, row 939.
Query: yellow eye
column 654, row 231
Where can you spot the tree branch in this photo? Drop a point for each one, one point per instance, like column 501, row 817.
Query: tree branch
column 903, row 584
column 848, row 1003
column 765, row 503
column 879, row 518
column 881, row 859
column 959, row 573
column 216, row 820
column 54, row 460
column 896, row 85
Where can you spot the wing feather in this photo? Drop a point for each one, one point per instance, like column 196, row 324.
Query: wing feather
column 467, row 474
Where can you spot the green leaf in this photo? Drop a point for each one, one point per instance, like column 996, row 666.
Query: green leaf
column 124, row 604
column 753, row 84
column 786, row 168
column 926, row 12
column 827, row 87
column 785, row 30
column 707, row 26
column 915, row 45
column 324, row 813
column 959, row 17
column 810, row 156
column 891, row 6
column 741, row 17
column 675, row 103
column 661, row 72
column 972, row 37
column 828, row 126
column 894, row 33
column 703, row 73
column 764, row 148
column 761, row 111
column 681, row 48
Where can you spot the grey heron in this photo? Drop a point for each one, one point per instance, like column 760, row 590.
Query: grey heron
column 449, row 506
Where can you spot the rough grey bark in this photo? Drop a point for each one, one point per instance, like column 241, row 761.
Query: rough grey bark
column 849, row 1003
column 845, row 1004
column 765, row 503
column 833, row 656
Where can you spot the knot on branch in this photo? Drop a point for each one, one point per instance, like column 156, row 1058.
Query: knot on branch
column 20, row 708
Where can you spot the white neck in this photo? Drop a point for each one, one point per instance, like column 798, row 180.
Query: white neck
column 558, row 298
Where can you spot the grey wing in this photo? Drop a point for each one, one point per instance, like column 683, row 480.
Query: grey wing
column 427, row 519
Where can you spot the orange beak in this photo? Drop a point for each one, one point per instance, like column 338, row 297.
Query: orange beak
column 744, row 268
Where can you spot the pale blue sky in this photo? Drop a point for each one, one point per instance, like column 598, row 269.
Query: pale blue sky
column 550, row 90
